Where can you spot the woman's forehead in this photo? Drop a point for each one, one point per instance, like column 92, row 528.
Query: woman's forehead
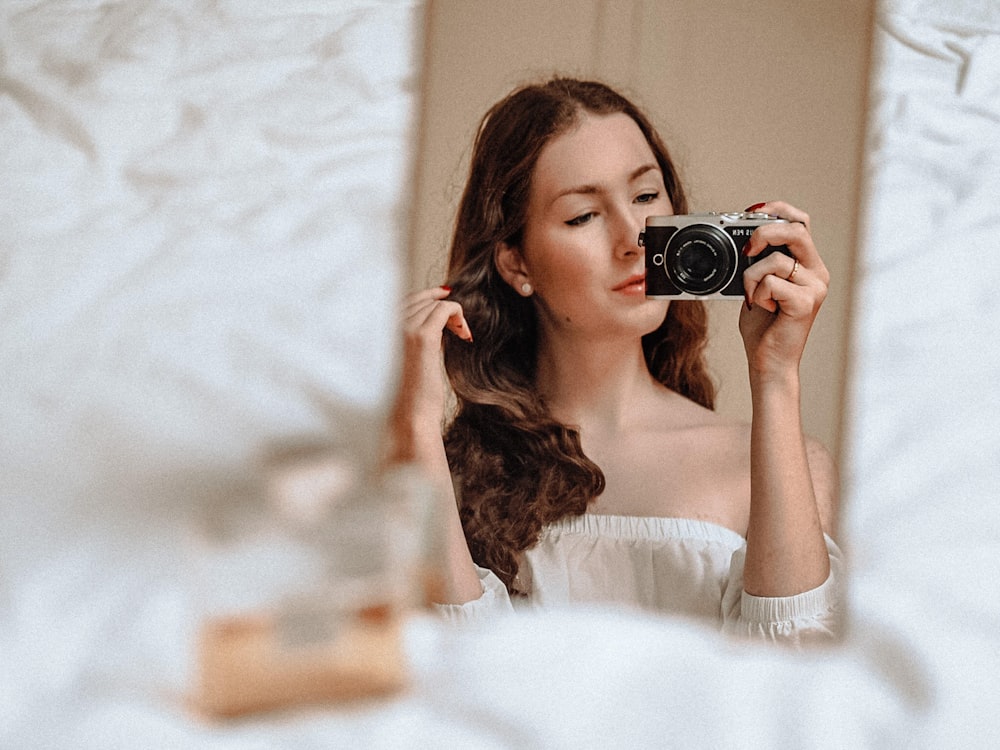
column 599, row 150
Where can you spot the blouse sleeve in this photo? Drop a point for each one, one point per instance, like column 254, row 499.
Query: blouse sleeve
column 811, row 616
column 494, row 602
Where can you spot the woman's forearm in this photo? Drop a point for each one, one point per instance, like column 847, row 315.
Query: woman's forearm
column 786, row 552
column 459, row 582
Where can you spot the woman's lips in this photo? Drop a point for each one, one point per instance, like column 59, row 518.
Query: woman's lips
column 633, row 284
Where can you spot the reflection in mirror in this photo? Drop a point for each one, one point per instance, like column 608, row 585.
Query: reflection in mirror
column 752, row 113
column 753, row 107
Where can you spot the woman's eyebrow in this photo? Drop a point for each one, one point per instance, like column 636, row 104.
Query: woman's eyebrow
column 637, row 173
column 590, row 189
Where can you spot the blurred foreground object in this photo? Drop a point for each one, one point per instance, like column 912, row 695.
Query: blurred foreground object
column 363, row 554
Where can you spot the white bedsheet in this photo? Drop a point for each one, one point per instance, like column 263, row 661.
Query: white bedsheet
column 201, row 218
column 198, row 235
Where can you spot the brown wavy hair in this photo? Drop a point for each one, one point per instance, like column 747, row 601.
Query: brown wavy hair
column 516, row 468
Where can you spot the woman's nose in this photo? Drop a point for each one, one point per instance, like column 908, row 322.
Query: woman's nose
column 627, row 234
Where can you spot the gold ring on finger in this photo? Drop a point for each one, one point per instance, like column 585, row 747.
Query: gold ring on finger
column 795, row 270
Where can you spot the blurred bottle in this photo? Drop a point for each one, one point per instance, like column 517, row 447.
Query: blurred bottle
column 353, row 555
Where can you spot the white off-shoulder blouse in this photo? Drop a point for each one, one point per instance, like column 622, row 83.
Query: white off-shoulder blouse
column 673, row 566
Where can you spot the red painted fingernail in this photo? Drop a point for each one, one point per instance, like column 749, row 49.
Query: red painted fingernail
column 446, row 287
column 746, row 248
column 754, row 207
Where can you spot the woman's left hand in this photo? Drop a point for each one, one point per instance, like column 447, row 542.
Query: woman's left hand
column 783, row 293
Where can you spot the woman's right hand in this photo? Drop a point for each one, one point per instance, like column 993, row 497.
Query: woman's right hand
column 420, row 401
column 416, row 424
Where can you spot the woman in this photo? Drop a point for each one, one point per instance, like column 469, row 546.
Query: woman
column 586, row 459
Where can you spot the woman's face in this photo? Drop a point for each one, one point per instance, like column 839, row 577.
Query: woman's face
column 591, row 192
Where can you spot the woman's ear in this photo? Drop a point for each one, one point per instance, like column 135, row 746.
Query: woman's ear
column 510, row 263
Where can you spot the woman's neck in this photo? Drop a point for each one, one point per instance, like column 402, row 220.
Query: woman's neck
column 594, row 385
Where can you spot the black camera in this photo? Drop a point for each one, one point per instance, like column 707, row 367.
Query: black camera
column 700, row 256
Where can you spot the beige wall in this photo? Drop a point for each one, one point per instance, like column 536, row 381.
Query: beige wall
column 756, row 101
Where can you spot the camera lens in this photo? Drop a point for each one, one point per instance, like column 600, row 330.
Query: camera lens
column 700, row 259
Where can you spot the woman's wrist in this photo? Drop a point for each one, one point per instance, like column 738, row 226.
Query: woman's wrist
column 785, row 381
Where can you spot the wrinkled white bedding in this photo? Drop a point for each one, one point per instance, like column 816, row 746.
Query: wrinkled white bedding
column 201, row 216
column 201, row 213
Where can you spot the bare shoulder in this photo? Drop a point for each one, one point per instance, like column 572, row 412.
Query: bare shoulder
column 716, row 448
column 826, row 484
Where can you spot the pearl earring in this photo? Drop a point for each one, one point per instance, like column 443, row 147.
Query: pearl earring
column 526, row 289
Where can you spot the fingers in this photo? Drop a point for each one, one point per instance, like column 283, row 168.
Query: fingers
column 793, row 235
column 773, row 292
column 795, row 281
column 430, row 312
column 796, row 234
column 779, row 265
column 782, row 281
column 783, row 211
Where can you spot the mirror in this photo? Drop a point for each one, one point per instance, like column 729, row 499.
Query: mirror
column 754, row 106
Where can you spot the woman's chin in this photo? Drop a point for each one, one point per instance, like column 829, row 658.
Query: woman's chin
column 654, row 313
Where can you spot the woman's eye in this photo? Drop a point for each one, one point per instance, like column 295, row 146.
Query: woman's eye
column 581, row 219
column 647, row 197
